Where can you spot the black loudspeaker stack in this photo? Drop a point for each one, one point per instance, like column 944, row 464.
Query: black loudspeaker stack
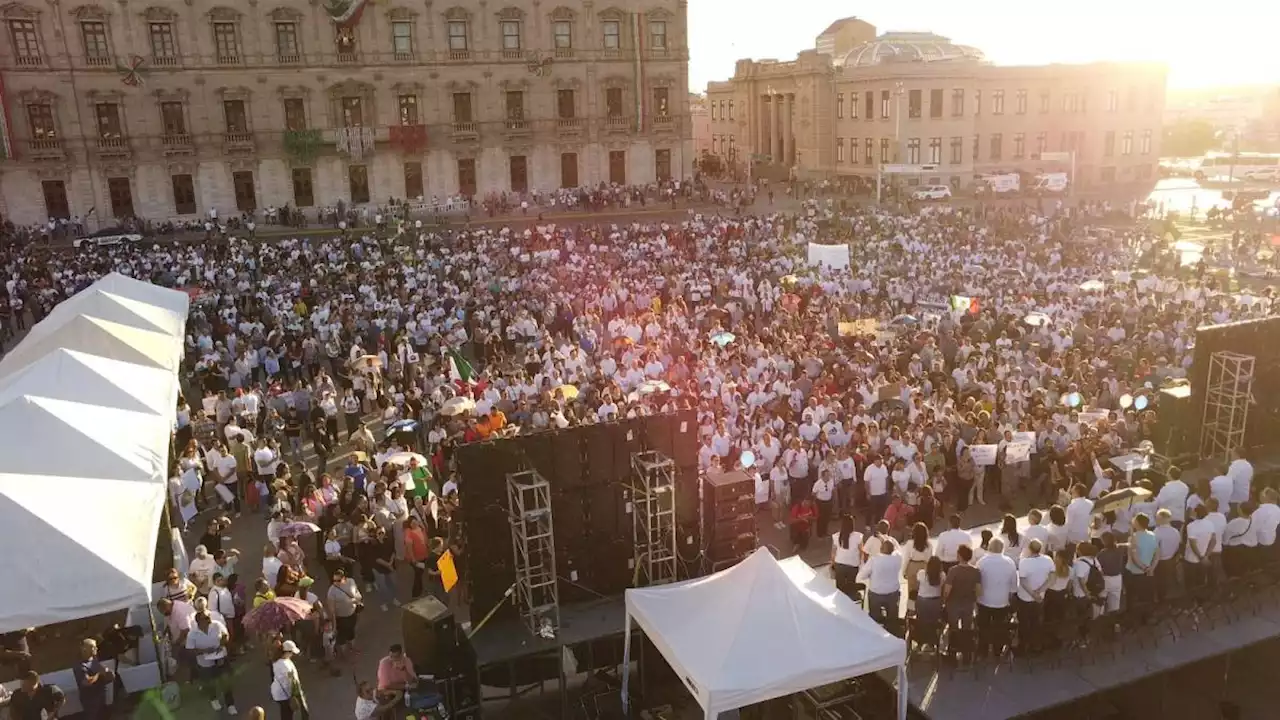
column 1175, row 421
column 728, row 517
column 432, row 643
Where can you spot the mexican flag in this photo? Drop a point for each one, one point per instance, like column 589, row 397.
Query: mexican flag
column 460, row 371
column 345, row 12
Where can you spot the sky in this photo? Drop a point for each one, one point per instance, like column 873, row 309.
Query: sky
column 1228, row 42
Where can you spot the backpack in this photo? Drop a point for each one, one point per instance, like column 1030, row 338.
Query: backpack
column 1094, row 584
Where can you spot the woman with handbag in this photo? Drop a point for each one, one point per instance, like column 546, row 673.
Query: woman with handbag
column 286, row 687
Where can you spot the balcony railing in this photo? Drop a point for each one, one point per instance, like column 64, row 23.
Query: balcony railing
column 46, row 147
column 228, row 59
column 569, row 124
column 348, row 58
column 400, row 56
column 459, row 55
column 564, row 53
column 177, row 142
column 518, row 126
column 611, row 53
column 98, row 60
column 466, row 128
column 113, row 145
column 30, row 61
column 239, row 138
column 617, row 123
column 164, row 60
column 509, row 54
column 289, row 58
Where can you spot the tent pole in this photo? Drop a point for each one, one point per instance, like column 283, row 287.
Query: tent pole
column 626, row 666
column 901, row 692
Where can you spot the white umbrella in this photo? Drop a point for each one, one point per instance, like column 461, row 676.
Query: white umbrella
column 648, row 387
column 458, row 406
column 1036, row 319
column 403, row 458
column 1092, row 286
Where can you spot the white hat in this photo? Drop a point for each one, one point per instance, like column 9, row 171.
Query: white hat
column 290, row 646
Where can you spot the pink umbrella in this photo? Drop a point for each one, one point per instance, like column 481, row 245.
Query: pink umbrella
column 294, row 529
column 276, row 614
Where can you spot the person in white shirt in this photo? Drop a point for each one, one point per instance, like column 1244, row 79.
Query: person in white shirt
column 1266, row 518
column 1202, row 540
column 951, row 540
column 1168, row 540
column 1079, row 515
column 1035, row 573
column 1173, row 497
column 1241, row 541
column 882, row 575
column 286, row 687
column 1221, row 488
column 999, row 581
column 876, row 477
column 207, row 641
column 823, row 491
column 1085, row 563
column 1219, row 520
column 846, row 557
column 1036, row 530
column 1241, row 473
column 222, row 602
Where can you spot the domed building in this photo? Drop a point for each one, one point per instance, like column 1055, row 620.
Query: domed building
column 923, row 108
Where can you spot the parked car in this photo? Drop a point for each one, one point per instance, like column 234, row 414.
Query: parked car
column 932, row 192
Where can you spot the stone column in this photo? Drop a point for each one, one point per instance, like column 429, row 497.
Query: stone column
column 762, row 124
column 775, row 130
column 788, row 140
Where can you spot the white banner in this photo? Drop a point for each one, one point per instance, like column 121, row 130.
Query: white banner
column 832, row 256
column 1017, row 452
column 1026, row 437
column 983, row 455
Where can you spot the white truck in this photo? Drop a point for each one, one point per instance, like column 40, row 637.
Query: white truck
column 998, row 184
column 1054, row 183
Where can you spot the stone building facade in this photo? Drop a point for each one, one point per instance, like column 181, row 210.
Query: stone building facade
column 170, row 109
column 917, row 99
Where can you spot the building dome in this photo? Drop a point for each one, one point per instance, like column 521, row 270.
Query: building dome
column 908, row 47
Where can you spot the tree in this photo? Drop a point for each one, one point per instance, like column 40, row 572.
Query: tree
column 1189, row 138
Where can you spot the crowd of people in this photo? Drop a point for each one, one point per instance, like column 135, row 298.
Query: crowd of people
column 324, row 378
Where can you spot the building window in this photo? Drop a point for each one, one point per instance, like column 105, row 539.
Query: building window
column 164, row 50
column 402, row 38
column 1042, row 143
column 657, row 35
column 184, row 194
column 935, row 103
column 26, row 43
column 295, row 114
column 935, row 150
column 1019, row 146
column 613, row 102
column 661, row 104
column 40, row 120
column 997, row 102
column 868, row 152
column 94, row 34
column 1020, row 101
column 352, row 111
column 408, row 105
column 1070, row 103
column 977, row 147
column 731, row 110
column 1046, row 102
column 957, row 102
column 913, row 151
column 225, row 43
column 108, row 117
column 957, row 150
column 358, row 184
column 885, row 110
column 840, row 106
column 458, row 35
column 839, row 150
column 884, row 150
column 55, row 199
column 662, row 164
column 413, row 179
column 511, row 35
column 303, row 196
column 1144, row 146
column 712, row 105
column 915, row 103
column 287, row 41
column 565, row 104
column 997, row 149
column 173, row 119
column 1113, row 101
column 612, row 37
column 234, row 114
column 515, row 106
column 977, row 102
column 853, row 150
column 462, row 107
column 869, row 105
column 1109, row 144
column 853, row 106
column 1126, row 145
column 562, row 35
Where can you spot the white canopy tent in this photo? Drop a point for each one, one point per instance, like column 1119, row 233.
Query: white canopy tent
column 761, row 630
column 176, row 302
column 97, row 302
column 94, row 336
column 93, row 380
column 67, row 470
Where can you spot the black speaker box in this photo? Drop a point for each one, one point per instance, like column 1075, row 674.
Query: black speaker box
column 628, row 438
column 539, row 454
column 430, row 636
column 687, row 495
column 569, row 516
column 566, row 451
column 604, row 510
column 598, row 446
column 1174, row 421
column 685, row 438
column 659, row 434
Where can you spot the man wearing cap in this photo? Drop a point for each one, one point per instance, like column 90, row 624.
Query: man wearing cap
column 286, row 687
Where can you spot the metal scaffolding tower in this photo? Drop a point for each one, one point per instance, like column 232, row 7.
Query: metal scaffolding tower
column 1229, row 390
column 533, row 546
column 653, row 520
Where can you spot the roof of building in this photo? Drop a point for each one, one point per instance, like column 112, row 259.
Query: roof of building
column 908, row 47
column 836, row 25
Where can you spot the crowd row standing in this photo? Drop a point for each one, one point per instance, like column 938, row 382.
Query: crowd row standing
column 720, row 314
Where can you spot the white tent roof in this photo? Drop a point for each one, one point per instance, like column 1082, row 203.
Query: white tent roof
column 174, row 301
column 78, row 377
column 760, row 630
column 101, row 303
column 95, row 336
column 43, row 436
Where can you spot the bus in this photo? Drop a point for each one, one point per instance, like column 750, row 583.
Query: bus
column 1241, row 166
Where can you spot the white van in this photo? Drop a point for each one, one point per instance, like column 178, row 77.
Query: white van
column 999, row 184
column 932, row 192
column 1052, row 183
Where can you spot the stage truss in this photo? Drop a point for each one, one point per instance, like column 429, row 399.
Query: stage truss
column 533, row 547
column 653, row 520
column 1227, row 397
